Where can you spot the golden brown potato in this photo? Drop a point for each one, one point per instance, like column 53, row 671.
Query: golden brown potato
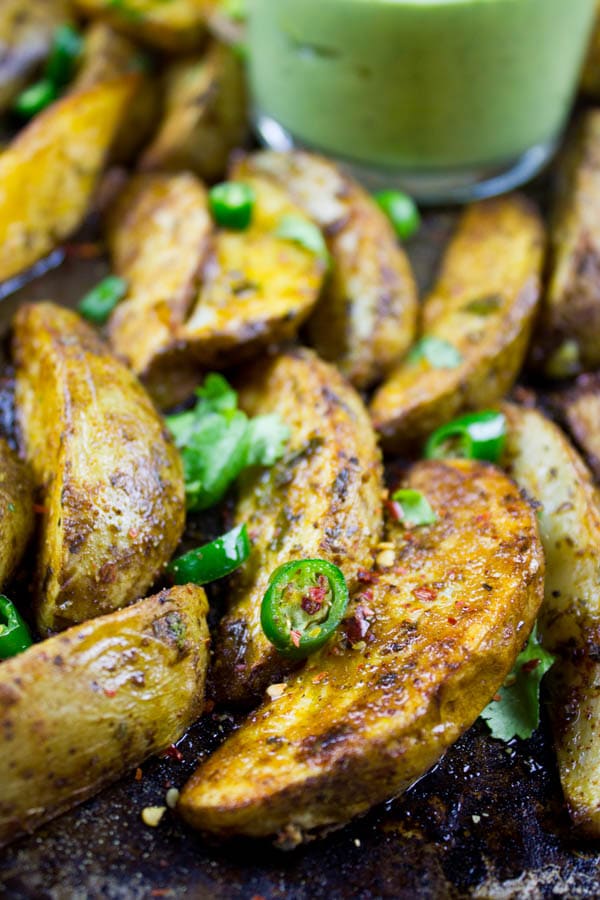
column 26, row 29
column 579, row 408
column 82, row 708
column 483, row 305
column 365, row 718
column 48, row 173
column 106, row 55
column 366, row 319
column 590, row 77
column 571, row 311
column 110, row 479
column 205, row 115
column 16, row 510
column 542, row 461
column 322, row 500
column 158, row 233
column 175, row 25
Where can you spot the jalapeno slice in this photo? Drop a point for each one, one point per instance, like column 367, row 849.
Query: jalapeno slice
column 303, row 605
column 212, row 561
column 480, row 435
column 14, row 633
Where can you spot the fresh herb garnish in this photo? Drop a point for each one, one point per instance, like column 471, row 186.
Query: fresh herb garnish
column 218, row 441
column 440, row 354
column 515, row 712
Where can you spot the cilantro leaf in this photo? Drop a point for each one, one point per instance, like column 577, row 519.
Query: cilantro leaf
column 217, row 441
column 517, row 712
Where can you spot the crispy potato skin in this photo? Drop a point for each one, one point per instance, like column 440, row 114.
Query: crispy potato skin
column 50, row 170
column 205, row 115
column 80, row 709
column 323, row 499
column 178, row 25
column 16, row 510
column 26, row 30
column 571, row 309
column 580, row 409
column 495, row 253
column 159, row 233
column 366, row 318
column 110, row 478
column 543, row 462
column 357, row 727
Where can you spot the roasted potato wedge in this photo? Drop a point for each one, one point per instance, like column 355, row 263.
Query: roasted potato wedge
column 16, row 510
column 80, row 709
column 571, row 309
column 366, row 319
column 110, row 479
column 48, row 173
column 482, row 304
column 26, row 30
column 159, row 232
column 205, row 115
column 544, row 463
column 579, row 408
column 177, row 25
column 256, row 290
column 362, row 721
column 323, row 499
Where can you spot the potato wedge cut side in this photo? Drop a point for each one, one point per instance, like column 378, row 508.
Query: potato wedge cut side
column 48, row 173
column 110, row 479
column 16, row 510
column 323, row 499
column 177, row 25
column 542, row 461
column 358, row 726
column 80, row 709
column 366, row 318
column 205, row 115
column 482, row 304
column 159, row 235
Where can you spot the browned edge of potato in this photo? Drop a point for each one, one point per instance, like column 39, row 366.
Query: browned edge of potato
column 570, row 315
column 109, row 477
column 16, row 510
column 177, row 26
column 205, row 115
column 80, row 709
column 483, row 304
column 543, row 462
column 49, row 172
column 366, row 319
column 364, row 720
column 590, row 76
column 322, row 500
column 579, row 409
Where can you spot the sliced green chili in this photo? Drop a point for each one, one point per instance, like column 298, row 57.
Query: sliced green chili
column 440, row 354
column 303, row 605
column 35, row 98
column 98, row 303
column 480, row 435
column 402, row 212
column 14, row 633
column 304, row 233
column 232, row 204
column 64, row 53
column 212, row 561
column 412, row 508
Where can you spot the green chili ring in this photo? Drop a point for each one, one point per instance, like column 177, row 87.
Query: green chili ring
column 304, row 603
column 14, row 633
column 212, row 561
column 480, row 435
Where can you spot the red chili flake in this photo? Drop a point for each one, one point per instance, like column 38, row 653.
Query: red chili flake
column 530, row 665
column 161, row 892
column 173, row 752
column 483, row 517
column 497, row 697
column 295, row 637
column 424, row 593
column 138, row 774
column 313, row 600
column 319, row 678
column 109, row 692
column 395, row 510
column 40, row 509
column 461, row 604
column 84, row 250
column 209, row 705
column 358, row 625
column 452, row 620
column 367, row 576
column 133, row 533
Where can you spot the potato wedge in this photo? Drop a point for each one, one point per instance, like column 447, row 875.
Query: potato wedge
column 26, row 31
column 483, row 304
column 176, row 25
column 48, row 173
column 571, row 309
column 159, row 232
column 579, row 408
column 110, row 478
column 82, row 708
column 323, row 499
column 256, row 291
column 366, row 319
column 205, row 115
column 358, row 726
column 544, row 463
column 16, row 510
